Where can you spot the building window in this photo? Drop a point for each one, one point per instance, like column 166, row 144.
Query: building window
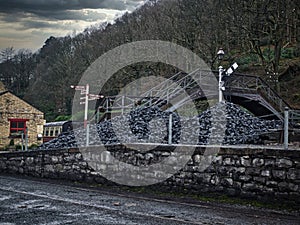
column 17, row 127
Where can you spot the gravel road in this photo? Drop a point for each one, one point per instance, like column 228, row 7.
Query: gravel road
column 31, row 201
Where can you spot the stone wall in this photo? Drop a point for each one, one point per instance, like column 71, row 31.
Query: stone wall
column 256, row 173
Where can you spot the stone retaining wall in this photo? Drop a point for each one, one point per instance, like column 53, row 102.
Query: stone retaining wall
column 256, row 173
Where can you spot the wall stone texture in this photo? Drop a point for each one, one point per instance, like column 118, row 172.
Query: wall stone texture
column 12, row 107
column 245, row 172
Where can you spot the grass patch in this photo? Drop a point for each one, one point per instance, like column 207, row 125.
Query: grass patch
column 158, row 192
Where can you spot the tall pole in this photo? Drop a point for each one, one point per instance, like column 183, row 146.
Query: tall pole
column 286, row 128
column 85, row 90
column 86, row 105
column 88, row 135
column 220, row 83
column 220, row 56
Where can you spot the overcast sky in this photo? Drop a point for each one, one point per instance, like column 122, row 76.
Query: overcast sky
column 28, row 23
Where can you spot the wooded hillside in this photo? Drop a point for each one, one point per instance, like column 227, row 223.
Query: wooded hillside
column 263, row 36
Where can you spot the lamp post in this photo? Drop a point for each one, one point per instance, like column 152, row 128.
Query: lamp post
column 220, row 55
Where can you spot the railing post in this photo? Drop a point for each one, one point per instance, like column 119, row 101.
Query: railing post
column 107, row 104
column 280, row 105
column 168, row 97
column 97, row 115
column 86, row 104
column 256, row 81
column 88, row 134
column 123, row 104
column 286, row 128
column 170, row 129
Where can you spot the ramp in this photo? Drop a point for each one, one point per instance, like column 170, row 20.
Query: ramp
column 248, row 91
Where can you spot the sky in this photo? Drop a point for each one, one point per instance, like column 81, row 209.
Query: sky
column 28, row 23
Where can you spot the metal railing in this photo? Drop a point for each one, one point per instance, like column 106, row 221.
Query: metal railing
column 162, row 94
column 177, row 85
column 165, row 92
column 294, row 117
column 255, row 85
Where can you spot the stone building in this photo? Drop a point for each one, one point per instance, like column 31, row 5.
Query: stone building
column 16, row 116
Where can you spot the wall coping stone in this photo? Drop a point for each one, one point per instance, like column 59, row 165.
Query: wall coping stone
column 224, row 150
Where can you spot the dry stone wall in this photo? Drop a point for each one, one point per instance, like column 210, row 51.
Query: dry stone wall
column 256, row 173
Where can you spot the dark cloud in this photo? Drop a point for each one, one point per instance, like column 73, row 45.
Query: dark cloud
column 11, row 10
column 56, row 17
column 74, row 15
column 61, row 5
column 36, row 24
column 50, row 5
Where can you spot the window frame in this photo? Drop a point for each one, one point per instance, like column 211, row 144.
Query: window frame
column 17, row 128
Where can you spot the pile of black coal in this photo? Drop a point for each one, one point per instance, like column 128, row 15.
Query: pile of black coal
column 229, row 123
column 224, row 123
column 142, row 124
column 245, row 128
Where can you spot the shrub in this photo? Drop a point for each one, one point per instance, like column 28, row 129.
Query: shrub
column 18, row 147
column 287, row 53
column 62, row 118
column 12, row 142
column 33, row 146
column 248, row 59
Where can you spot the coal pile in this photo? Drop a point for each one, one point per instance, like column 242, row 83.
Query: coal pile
column 239, row 126
column 73, row 139
column 142, row 125
column 224, row 123
column 244, row 128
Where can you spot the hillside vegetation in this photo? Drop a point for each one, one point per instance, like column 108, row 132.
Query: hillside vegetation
column 261, row 35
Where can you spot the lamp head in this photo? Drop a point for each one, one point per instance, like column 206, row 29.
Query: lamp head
column 220, row 54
